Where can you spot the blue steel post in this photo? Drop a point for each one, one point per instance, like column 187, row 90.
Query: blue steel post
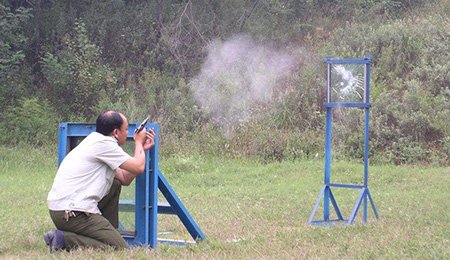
column 141, row 200
column 366, row 161
column 362, row 194
column 366, row 126
column 316, row 206
column 148, row 212
column 140, row 210
column 326, row 201
column 154, row 190
column 375, row 212
column 62, row 141
column 366, row 131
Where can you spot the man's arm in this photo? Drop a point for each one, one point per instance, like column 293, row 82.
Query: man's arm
column 124, row 176
column 136, row 165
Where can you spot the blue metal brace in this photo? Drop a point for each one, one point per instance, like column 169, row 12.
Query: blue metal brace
column 325, row 193
column 145, row 205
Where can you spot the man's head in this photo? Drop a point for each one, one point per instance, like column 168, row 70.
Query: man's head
column 113, row 123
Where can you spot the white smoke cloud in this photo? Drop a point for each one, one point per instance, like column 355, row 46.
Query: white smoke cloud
column 237, row 76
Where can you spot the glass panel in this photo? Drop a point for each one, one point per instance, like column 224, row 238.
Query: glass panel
column 347, row 83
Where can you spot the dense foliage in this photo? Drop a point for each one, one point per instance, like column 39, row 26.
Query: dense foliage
column 69, row 60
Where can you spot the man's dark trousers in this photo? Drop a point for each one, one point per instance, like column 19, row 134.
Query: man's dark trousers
column 93, row 230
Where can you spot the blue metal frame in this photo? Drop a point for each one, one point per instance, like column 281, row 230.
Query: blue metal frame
column 145, row 205
column 326, row 193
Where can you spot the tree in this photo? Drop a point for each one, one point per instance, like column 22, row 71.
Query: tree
column 76, row 75
column 13, row 45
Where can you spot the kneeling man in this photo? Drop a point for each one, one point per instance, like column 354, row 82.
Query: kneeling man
column 84, row 199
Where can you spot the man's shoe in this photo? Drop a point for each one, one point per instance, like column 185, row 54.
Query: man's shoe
column 54, row 240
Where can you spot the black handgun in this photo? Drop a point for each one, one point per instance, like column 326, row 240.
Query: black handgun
column 142, row 125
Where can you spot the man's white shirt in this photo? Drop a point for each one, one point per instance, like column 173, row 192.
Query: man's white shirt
column 86, row 174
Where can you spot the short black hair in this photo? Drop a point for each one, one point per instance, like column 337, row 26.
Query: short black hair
column 108, row 121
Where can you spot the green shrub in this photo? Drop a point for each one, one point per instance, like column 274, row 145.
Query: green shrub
column 33, row 121
column 409, row 151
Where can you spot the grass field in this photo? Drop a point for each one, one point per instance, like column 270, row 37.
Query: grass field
column 249, row 210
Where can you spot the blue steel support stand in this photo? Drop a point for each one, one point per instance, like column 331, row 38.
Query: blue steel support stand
column 326, row 192
column 145, row 205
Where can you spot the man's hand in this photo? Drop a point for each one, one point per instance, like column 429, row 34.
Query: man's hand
column 150, row 139
column 140, row 137
column 147, row 139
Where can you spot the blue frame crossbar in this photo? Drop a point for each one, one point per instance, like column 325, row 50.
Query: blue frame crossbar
column 326, row 193
column 145, row 205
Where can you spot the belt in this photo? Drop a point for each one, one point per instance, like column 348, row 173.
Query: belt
column 71, row 214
